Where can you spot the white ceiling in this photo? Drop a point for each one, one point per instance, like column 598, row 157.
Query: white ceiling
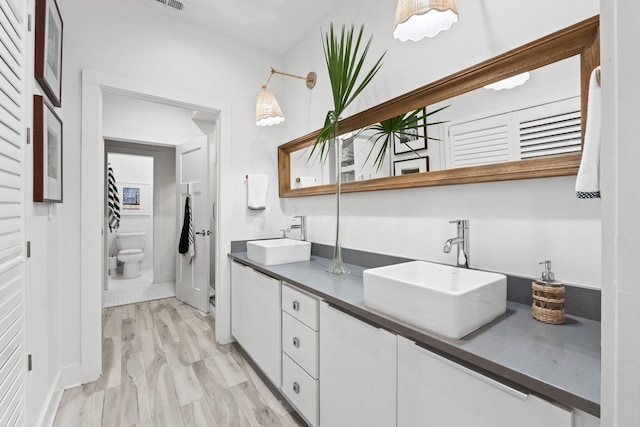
column 269, row 24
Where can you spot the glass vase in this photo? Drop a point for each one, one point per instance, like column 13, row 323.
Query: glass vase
column 337, row 266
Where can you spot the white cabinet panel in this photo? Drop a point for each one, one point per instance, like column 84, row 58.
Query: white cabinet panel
column 240, row 302
column 433, row 391
column 255, row 318
column 357, row 372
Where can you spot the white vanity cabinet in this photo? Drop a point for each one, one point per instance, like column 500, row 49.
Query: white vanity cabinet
column 255, row 318
column 300, row 351
column 357, row 372
column 434, row 391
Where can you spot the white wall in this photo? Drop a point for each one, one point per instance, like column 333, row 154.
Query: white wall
column 130, row 170
column 134, row 119
column 621, row 208
column 514, row 225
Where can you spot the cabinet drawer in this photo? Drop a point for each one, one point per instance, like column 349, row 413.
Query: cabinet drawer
column 300, row 342
column 426, row 377
column 301, row 306
column 301, row 389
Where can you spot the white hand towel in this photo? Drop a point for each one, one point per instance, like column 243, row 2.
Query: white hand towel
column 257, row 191
column 588, row 180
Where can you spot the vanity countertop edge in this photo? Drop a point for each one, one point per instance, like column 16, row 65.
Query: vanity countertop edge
column 557, row 362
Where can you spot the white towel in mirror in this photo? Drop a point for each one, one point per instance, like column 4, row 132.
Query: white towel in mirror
column 307, row 181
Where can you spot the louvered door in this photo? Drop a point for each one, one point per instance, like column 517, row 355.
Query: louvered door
column 550, row 129
column 542, row 130
column 12, row 253
column 482, row 141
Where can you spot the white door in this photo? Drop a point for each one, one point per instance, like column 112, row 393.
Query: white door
column 13, row 105
column 192, row 177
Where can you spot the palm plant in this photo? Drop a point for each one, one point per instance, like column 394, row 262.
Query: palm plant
column 402, row 128
column 345, row 57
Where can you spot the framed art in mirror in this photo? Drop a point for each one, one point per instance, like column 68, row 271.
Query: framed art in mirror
column 409, row 166
column 47, row 153
column 48, row 50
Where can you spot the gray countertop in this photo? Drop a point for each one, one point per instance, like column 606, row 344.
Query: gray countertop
column 559, row 362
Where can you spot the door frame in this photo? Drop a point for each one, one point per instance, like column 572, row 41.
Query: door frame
column 92, row 209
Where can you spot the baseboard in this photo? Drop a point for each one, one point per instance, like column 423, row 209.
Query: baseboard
column 67, row 377
column 164, row 276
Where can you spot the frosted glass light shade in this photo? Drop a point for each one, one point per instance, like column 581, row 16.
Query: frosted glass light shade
column 268, row 110
column 510, row 82
column 416, row 19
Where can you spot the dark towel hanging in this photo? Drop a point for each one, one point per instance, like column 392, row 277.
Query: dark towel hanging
column 183, row 246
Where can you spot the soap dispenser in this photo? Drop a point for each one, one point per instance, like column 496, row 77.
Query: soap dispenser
column 548, row 297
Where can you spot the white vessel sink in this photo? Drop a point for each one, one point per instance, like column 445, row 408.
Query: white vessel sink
column 450, row 301
column 278, row 251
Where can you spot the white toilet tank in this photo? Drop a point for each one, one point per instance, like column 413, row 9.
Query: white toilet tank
column 134, row 240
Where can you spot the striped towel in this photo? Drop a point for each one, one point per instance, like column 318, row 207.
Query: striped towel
column 113, row 202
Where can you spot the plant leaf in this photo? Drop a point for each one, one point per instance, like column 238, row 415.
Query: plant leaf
column 345, row 61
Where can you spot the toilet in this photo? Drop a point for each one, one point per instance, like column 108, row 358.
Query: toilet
column 130, row 252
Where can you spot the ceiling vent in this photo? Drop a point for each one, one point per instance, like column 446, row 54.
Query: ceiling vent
column 174, row 4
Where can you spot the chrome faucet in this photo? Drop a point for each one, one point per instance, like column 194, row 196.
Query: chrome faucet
column 462, row 241
column 302, row 226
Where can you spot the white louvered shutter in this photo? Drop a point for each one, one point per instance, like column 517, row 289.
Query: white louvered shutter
column 482, row 141
column 550, row 129
column 12, row 236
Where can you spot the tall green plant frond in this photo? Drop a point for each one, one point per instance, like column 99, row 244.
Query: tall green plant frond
column 345, row 57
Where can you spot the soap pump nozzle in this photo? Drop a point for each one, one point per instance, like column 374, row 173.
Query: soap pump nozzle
column 547, row 274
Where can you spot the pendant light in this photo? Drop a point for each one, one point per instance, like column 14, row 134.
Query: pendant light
column 416, row 19
column 268, row 111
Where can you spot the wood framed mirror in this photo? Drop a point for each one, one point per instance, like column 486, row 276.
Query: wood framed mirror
column 578, row 44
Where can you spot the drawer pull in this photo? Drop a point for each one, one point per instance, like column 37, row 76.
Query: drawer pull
column 296, row 388
column 296, row 342
column 296, row 306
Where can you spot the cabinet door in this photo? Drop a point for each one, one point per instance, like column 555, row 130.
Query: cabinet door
column 255, row 318
column 357, row 372
column 436, row 392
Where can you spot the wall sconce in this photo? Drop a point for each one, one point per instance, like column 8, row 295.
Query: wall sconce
column 511, row 82
column 268, row 110
column 416, row 19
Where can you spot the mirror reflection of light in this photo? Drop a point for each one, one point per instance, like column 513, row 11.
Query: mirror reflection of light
column 510, row 83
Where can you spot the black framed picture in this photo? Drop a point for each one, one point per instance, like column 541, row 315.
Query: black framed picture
column 415, row 165
column 47, row 153
column 413, row 140
column 48, row 50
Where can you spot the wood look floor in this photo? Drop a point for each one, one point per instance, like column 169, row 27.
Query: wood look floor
column 161, row 366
